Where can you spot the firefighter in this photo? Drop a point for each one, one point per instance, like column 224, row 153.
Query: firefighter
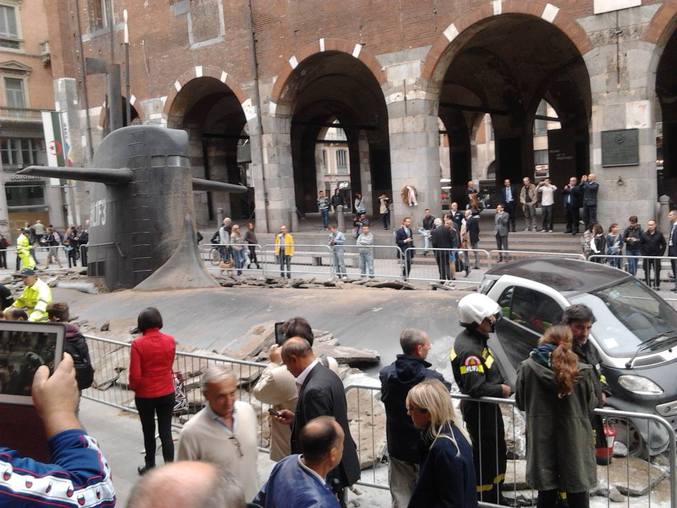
column 23, row 250
column 34, row 298
column 477, row 375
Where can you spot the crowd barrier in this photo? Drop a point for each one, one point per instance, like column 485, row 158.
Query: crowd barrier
column 367, row 422
column 515, row 255
column 425, row 266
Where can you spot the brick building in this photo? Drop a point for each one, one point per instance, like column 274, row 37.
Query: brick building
column 25, row 91
column 255, row 83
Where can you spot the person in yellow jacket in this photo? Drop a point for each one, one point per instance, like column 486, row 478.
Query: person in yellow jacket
column 34, row 298
column 284, row 250
column 23, row 250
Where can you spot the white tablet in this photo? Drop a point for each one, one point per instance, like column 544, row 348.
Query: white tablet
column 24, row 347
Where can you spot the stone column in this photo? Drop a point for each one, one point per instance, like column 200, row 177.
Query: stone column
column 623, row 95
column 414, row 151
column 365, row 173
column 196, row 155
column 75, row 192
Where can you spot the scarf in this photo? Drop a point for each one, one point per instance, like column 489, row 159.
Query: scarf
column 543, row 354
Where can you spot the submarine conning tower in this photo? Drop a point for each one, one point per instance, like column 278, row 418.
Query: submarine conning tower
column 142, row 209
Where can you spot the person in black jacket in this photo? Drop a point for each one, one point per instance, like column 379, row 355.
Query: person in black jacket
column 572, row 197
column 397, row 379
column 444, row 237
column 652, row 243
column 509, row 196
column 6, row 299
column 589, row 186
column 672, row 245
column 472, row 226
column 321, row 393
column 404, row 238
column 477, row 375
column 337, row 199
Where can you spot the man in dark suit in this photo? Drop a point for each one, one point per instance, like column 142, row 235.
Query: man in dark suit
column 508, row 194
column 590, row 187
column 321, row 393
column 404, row 238
column 444, row 237
column 572, row 203
column 672, row 244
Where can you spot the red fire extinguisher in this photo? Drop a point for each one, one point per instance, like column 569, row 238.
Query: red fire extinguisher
column 605, row 454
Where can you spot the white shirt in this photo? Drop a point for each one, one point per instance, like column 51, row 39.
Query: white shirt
column 548, row 194
column 302, row 377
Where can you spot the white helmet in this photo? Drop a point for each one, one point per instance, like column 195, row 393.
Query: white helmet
column 475, row 308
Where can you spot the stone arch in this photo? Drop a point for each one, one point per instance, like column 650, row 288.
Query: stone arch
column 463, row 28
column 200, row 71
column 286, row 69
column 662, row 25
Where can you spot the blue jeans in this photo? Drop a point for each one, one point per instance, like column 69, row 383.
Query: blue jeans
column 366, row 264
column 632, row 262
column 325, row 218
column 239, row 257
column 339, row 262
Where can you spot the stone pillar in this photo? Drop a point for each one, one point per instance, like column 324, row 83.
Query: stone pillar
column 4, row 213
column 623, row 95
column 279, row 171
column 365, row 173
column 414, row 152
column 76, row 193
column 196, row 155
column 216, row 162
column 662, row 211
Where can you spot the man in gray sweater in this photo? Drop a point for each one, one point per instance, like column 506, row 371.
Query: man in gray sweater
column 365, row 244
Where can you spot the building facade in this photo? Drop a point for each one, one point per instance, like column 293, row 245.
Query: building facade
column 25, row 91
column 275, row 75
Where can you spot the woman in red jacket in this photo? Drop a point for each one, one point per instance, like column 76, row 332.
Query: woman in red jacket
column 151, row 378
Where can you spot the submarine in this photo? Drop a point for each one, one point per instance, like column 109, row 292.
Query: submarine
column 142, row 227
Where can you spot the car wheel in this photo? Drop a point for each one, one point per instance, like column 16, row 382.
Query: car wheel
column 628, row 434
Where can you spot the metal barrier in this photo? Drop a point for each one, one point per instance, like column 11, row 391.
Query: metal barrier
column 515, row 485
column 513, row 255
column 386, row 261
column 306, row 260
column 427, row 268
column 213, row 255
column 110, row 359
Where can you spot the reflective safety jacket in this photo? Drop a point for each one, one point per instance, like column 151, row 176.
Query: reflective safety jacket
column 475, row 371
column 23, row 244
column 35, row 299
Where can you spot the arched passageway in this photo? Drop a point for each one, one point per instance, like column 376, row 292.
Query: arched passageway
column 335, row 91
column 666, row 92
column 219, row 146
column 505, row 66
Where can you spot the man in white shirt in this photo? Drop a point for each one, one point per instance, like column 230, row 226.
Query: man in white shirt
column 547, row 191
column 224, row 431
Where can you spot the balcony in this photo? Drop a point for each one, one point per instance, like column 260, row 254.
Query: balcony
column 20, row 116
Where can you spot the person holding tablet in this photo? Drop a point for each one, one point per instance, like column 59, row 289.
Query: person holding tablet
column 35, row 297
column 78, row 473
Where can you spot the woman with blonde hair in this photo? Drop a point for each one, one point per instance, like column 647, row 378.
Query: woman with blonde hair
column 447, row 475
column 558, row 395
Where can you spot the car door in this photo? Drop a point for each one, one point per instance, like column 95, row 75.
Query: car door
column 527, row 313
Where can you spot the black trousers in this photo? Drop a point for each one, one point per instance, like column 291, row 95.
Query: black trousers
column 485, row 426
column 510, row 208
column 573, row 217
column 442, row 258
column 73, row 257
column 3, row 258
column 551, row 498
column 83, row 254
column 590, row 215
column 656, row 265
column 252, row 255
column 162, row 407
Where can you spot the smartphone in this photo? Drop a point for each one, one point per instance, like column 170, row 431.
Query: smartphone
column 273, row 412
column 279, row 333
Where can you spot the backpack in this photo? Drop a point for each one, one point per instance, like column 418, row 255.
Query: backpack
column 76, row 346
column 216, row 238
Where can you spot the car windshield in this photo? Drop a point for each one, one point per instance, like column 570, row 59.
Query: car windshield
column 626, row 315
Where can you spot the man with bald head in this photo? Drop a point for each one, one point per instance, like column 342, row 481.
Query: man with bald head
column 299, row 481
column 224, row 431
column 187, row 484
column 321, row 393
